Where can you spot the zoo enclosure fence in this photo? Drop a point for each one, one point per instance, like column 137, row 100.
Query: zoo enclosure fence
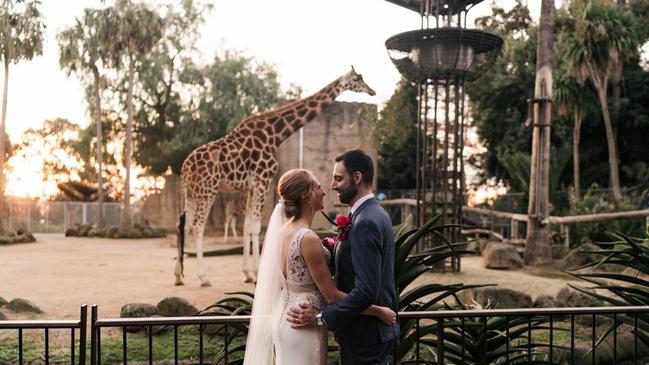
column 534, row 335
column 57, row 216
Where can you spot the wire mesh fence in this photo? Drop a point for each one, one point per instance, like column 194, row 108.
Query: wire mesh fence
column 57, row 216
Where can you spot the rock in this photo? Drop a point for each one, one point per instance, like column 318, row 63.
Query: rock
column 84, row 229
column 569, row 297
column 577, row 257
column 501, row 256
column 176, row 307
column 112, row 232
column 23, row 305
column 559, row 252
column 494, row 297
column 158, row 329
column 2, row 301
column 544, row 301
column 92, row 232
column 6, row 240
column 71, row 232
column 215, row 329
column 134, row 233
column 102, row 232
column 484, row 243
column 137, row 310
column 3, row 317
column 625, row 345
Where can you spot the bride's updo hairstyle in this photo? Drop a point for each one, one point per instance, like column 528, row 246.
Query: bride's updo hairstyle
column 295, row 188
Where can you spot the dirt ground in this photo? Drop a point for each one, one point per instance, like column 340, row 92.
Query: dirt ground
column 59, row 274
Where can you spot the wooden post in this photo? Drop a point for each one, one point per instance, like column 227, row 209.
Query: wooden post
column 538, row 247
column 514, row 228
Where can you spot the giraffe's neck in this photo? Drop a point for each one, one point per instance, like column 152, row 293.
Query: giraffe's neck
column 282, row 122
column 299, row 113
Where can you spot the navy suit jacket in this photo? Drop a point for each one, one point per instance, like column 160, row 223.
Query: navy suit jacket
column 365, row 271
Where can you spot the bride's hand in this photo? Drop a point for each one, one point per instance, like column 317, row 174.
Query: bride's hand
column 387, row 316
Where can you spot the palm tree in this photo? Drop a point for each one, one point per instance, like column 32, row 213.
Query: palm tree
column 135, row 30
column 604, row 37
column 21, row 38
column 573, row 99
column 81, row 52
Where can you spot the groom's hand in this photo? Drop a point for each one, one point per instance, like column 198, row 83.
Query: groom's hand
column 302, row 316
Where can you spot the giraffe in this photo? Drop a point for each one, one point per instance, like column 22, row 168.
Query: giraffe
column 245, row 159
column 233, row 208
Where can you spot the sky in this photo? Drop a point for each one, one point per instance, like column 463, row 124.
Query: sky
column 311, row 43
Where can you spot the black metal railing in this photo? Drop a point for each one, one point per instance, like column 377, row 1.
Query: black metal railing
column 48, row 325
column 525, row 335
column 227, row 332
column 536, row 335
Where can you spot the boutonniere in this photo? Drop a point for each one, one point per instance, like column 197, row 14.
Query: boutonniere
column 343, row 224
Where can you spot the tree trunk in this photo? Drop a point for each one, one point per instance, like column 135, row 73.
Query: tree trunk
column 576, row 135
column 611, row 144
column 3, row 124
column 126, row 211
column 539, row 248
column 100, row 154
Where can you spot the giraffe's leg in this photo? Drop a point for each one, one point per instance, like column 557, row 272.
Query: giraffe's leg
column 225, row 225
column 234, row 226
column 259, row 195
column 248, row 264
column 247, row 259
column 201, row 213
column 186, row 229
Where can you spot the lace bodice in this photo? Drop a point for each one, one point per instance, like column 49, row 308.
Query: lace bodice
column 307, row 346
column 298, row 277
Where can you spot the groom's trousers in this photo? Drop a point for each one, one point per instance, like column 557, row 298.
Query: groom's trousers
column 365, row 355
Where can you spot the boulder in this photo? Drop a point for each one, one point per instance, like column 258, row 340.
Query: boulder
column 578, row 257
column 2, row 301
column 137, row 310
column 134, row 233
column 624, row 345
column 504, row 256
column 494, row 297
column 157, row 329
column 84, row 229
column 544, row 301
column 215, row 329
column 23, row 305
column 176, row 307
column 569, row 297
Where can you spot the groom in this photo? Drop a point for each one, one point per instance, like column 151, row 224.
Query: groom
column 364, row 269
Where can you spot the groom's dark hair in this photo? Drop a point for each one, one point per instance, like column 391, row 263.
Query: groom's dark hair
column 358, row 160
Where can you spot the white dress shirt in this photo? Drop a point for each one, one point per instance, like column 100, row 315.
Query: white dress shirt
column 361, row 201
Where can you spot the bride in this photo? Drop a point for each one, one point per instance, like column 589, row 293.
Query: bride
column 293, row 270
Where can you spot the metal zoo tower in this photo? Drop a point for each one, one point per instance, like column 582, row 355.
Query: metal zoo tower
column 440, row 57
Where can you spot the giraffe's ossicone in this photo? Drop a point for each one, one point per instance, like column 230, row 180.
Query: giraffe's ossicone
column 245, row 159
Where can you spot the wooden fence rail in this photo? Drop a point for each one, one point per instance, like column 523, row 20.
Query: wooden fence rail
column 515, row 218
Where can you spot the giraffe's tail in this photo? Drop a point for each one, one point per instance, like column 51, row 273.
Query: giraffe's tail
column 181, row 245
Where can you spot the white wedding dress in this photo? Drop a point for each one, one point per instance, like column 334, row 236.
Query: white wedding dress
column 307, row 346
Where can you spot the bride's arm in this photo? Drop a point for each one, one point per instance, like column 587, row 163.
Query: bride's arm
column 311, row 250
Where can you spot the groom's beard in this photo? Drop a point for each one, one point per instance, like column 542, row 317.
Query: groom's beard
column 347, row 195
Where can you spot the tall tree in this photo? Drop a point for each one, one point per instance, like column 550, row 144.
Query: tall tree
column 395, row 134
column 604, row 37
column 21, row 38
column 573, row 99
column 538, row 246
column 137, row 29
column 81, row 52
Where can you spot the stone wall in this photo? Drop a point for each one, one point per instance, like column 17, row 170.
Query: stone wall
column 340, row 127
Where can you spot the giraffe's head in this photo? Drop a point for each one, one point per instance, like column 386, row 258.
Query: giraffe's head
column 354, row 82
